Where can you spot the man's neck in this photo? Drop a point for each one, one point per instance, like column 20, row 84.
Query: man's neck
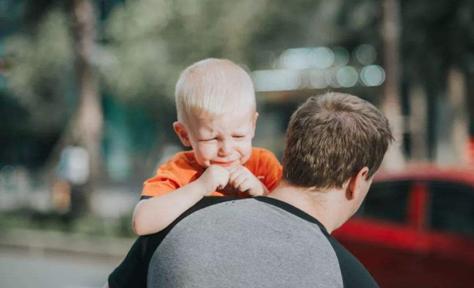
column 322, row 205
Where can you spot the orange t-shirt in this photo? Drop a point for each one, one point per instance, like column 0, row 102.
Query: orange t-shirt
column 183, row 169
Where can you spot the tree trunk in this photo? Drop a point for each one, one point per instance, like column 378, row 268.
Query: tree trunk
column 418, row 123
column 453, row 136
column 391, row 101
column 88, row 121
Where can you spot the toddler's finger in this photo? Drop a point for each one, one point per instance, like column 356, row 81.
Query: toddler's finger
column 239, row 182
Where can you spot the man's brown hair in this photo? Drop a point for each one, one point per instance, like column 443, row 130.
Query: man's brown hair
column 331, row 137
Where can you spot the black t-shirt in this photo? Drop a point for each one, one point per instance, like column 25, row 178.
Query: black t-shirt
column 257, row 242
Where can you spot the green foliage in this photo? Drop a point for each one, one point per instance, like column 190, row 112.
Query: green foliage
column 40, row 70
column 150, row 41
column 436, row 39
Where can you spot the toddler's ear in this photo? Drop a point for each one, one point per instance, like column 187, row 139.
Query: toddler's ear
column 182, row 133
column 254, row 123
column 255, row 119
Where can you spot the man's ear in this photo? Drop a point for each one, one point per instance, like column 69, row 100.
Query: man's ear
column 357, row 185
column 182, row 132
column 254, row 123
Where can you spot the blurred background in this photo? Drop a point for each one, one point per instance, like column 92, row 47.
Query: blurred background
column 86, row 107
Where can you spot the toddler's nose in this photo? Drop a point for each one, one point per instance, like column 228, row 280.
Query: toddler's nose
column 225, row 148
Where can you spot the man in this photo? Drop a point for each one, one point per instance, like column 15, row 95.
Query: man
column 334, row 145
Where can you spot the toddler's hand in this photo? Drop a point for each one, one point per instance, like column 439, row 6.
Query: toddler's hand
column 244, row 181
column 214, row 178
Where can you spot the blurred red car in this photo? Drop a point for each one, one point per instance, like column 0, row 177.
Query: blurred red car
column 416, row 228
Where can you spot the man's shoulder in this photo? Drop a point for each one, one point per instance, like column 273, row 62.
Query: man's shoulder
column 208, row 201
column 264, row 236
column 205, row 202
column 353, row 272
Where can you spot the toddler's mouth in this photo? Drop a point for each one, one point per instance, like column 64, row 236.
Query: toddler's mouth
column 225, row 164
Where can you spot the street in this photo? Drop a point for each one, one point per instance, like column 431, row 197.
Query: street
column 24, row 269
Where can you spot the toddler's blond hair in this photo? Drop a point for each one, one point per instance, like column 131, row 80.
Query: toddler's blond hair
column 213, row 86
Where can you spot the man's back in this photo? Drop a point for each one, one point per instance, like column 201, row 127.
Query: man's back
column 279, row 246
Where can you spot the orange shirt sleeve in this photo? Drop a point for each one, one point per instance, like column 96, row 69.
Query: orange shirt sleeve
column 266, row 167
column 175, row 173
column 159, row 184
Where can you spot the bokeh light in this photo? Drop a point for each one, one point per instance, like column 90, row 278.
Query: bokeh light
column 342, row 56
column 295, row 58
column 372, row 75
column 276, row 80
column 323, row 57
column 365, row 54
column 304, row 58
column 347, row 76
column 317, row 79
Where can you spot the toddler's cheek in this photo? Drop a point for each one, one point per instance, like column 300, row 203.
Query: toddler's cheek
column 207, row 153
column 246, row 152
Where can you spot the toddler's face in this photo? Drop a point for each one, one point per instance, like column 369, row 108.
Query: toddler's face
column 224, row 140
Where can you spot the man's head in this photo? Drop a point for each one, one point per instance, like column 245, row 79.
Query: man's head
column 332, row 137
column 215, row 102
column 336, row 141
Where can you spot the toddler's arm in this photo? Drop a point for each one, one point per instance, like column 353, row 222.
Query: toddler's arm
column 155, row 214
